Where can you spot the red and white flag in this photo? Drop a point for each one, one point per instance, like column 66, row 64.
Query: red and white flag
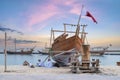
column 88, row 14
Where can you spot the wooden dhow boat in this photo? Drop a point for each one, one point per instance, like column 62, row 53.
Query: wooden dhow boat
column 65, row 46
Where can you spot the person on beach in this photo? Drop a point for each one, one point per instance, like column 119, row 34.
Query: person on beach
column 49, row 64
column 39, row 64
column 31, row 65
column 25, row 63
column 56, row 64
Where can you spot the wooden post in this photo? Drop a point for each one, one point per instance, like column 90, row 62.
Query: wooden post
column 5, row 52
column 51, row 37
column 15, row 44
column 86, row 57
column 64, row 28
column 83, row 35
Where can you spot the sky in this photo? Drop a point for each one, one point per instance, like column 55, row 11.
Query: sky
column 35, row 18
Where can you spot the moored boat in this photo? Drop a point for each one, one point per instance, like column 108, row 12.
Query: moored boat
column 99, row 50
column 21, row 52
column 99, row 53
column 65, row 46
column 43, row 53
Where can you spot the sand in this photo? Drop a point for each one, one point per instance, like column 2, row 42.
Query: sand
column 18, row 72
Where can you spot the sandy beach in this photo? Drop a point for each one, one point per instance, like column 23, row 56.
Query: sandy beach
column 41, row 73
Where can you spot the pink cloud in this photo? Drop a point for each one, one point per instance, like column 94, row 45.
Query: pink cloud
column 75, row 10
column 39, row 14
column 42, row 13
column 75, row 6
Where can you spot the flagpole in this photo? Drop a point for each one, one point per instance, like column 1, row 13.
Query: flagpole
column 78, row 25
column 80, row 14
column 5, row 53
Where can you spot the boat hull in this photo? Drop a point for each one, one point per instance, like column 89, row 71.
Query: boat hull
column 63, row 58
column 25, row 52
column 73, row 42
column 97, row 52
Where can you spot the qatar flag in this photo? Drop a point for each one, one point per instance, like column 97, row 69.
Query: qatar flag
column 89, row 15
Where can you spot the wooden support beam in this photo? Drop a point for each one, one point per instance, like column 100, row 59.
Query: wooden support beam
column 67, row 31
column 70, row 24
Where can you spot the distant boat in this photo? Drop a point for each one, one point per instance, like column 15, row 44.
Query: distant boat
column 21, row 52
column 43, row 53
column 99, row 50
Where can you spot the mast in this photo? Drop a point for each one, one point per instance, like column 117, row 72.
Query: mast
column 78, row 26
column 15, row 44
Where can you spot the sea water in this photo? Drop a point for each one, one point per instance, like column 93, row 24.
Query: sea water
column 17, row 59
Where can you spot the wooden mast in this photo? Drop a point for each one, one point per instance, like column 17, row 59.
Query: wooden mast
column 15, row 44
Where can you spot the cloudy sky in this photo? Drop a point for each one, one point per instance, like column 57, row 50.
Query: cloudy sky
column 35, row 18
